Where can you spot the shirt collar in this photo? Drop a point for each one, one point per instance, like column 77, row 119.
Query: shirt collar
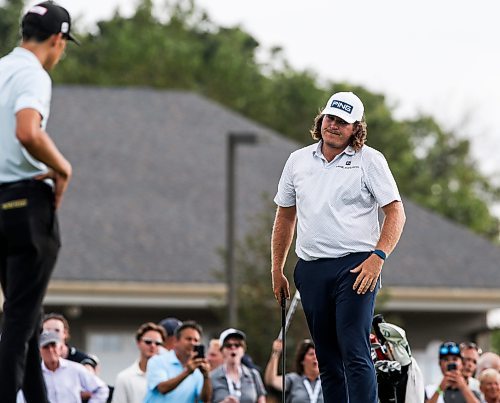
column 137, row 369
column 62, row 364
column 27, row 55
column 317, row 151
column 245, row 371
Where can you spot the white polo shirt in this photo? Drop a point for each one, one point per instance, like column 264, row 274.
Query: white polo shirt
column 130, row 385
column 337, row 202
column 24, row 84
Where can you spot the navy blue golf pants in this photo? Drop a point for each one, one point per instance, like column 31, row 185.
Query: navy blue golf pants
column 339, row 321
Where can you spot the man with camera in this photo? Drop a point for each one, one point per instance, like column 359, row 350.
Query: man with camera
column 453, row 387
column 180, row 375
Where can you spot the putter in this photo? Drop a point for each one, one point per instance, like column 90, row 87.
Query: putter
column 283, row 351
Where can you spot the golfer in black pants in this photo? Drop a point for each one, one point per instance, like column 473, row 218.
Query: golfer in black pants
column 33, row 178
column 332, row 190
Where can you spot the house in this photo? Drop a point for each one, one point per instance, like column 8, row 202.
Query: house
column 145, row 215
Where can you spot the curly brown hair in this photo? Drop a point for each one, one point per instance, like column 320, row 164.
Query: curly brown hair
column 358, row 138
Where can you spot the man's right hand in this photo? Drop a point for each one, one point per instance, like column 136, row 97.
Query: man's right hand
column 61, row 182
column 281, row 286
column 277, row 346
column 194, row 363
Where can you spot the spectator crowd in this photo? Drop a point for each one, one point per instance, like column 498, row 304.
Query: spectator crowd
column 173, row 366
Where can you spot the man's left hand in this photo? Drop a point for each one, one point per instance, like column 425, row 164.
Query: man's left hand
column 369, row 272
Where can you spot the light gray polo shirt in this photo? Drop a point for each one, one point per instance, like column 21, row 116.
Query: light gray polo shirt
column 337, row 202
column 296, row 390
column 250, row 389
column 24, row 84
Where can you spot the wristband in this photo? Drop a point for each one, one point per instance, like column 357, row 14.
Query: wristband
column 439, row 391
column 380, row 253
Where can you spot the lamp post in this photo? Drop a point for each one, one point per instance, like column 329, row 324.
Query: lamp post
column 233, row 140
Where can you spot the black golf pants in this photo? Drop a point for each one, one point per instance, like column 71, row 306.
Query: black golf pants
column 29, row 243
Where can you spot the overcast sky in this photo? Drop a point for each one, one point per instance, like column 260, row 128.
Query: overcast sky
column 437, row 57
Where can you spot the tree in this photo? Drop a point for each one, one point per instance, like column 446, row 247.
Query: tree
column 10, row 24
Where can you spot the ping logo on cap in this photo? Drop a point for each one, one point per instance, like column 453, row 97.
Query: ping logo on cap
column 64, row 27
column 341, row 105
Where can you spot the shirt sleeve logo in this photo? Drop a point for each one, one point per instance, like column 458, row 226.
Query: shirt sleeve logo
column 341, row 105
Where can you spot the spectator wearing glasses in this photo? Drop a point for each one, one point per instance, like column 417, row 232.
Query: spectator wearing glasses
column 470, row 356
column 453, row 387
column 234, row 382
column 490, row 385
column 131, row 384
column 303, row 385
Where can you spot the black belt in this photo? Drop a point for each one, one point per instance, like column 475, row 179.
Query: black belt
column 21, row 183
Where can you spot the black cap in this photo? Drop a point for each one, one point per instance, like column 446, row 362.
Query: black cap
column 91, row 360
column 50, row 18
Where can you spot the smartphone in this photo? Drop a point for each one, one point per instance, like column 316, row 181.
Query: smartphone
column 200, row 351
column 451, row 366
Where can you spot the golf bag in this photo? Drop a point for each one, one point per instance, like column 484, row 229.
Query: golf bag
column 398, row 375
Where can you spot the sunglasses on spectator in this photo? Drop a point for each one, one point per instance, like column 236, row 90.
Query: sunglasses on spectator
column 449, row 349
column 148, row 342
column 468, row 344
column 231, row 345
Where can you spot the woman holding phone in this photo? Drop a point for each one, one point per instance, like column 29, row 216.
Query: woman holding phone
column 303, row 385
column 233, row 382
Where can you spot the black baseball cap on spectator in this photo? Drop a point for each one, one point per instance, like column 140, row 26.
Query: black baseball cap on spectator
column 91, row 360
column 170, row 324
column 50, row 18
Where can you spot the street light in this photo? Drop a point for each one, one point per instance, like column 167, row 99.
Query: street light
column 233, row 140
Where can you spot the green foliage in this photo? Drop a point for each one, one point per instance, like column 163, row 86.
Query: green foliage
column 10, row 14
column 495, row 341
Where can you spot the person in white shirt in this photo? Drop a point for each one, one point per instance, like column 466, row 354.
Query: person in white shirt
column 470, row 356
column 131, row 383
column 65, row 380
column 34, row 176
column 331, row 191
